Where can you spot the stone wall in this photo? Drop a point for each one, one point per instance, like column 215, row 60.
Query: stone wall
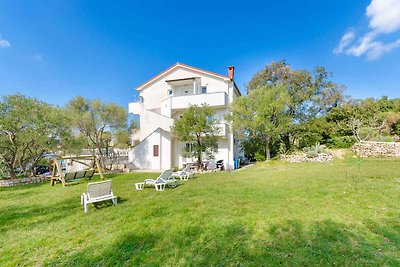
column 322, row 157
column 15, row 182
column 377, row 149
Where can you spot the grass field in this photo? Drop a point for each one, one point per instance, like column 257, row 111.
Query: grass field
column 341, row 213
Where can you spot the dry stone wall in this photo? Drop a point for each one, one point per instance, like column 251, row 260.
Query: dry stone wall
column 15, row 182
column 377, row 149
column 322, row 157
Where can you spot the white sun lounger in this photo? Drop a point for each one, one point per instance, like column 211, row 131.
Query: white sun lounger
column 184, row 174
column 165, row 179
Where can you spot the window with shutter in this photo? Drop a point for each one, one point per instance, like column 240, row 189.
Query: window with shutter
column 155, row 150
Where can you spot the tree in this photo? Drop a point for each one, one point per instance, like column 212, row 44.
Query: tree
column 28, row 129
column 199, row 129
column 262, row 115
column 94, row 118
column 311, row 94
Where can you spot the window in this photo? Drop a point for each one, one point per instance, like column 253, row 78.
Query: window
column 204, row 89
column 210, row 118
column 169, row 92
column 155, row 151
column 189, row 147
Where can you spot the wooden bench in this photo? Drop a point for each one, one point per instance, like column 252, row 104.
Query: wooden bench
column 79, row 175
column 97, row 192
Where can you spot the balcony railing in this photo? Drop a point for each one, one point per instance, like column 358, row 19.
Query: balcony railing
column 222, row 129
column 211, row 99
column 135, row 107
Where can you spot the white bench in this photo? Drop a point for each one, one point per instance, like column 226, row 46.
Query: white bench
column 99, row 191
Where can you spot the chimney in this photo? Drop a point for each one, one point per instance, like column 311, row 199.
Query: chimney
column 231, row 72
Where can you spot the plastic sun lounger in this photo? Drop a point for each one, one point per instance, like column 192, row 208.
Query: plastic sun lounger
column 165, row 179
column 184, row 174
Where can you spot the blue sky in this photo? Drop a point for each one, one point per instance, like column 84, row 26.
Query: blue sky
column 55, row 50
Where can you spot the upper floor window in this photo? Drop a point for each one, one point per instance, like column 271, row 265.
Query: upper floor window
column 188, row 147
column 169, row 92
column 204, row 89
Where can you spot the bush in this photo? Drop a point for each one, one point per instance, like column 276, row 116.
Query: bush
column 386, row 138
column 311, row 154
column 313, row 151
column 259, row 156
column 341, row 142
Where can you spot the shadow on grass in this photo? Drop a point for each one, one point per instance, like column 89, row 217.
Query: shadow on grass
column 323, row 243
column 30, row 215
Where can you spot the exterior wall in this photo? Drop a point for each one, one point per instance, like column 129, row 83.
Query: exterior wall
column 142, row 154
column 165, row 150
column 179, row 160
column 149, row 121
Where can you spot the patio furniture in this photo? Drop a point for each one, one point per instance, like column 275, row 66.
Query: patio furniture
column 165, row 179
column 184, row 174
column 96, row 192
column 220, row 164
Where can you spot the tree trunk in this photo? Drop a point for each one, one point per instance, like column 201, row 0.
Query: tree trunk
column 11, row 171
column 267, row 149
column 286, row 141
column 199, row 161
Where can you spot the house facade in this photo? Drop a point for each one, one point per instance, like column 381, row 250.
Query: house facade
column 164, row 98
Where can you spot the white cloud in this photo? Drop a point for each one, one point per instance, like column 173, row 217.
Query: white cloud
column 344, row 42
column 384, row 15
column 4, row 43
column 38, row 57
column 384, row 18
column 379, row 48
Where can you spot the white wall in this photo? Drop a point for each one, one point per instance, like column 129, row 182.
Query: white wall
column 142, row 154
column 150, row 121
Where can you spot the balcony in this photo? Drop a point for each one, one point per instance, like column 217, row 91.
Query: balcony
column 135, row 107
column 211, row 99
column 222, row 129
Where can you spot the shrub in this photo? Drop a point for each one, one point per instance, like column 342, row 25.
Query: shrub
column 312, row 154
column 341, row 142
column 313, row 151
column 259, row 156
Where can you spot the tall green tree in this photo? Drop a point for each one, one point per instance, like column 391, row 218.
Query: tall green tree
column 94, row 118
column 29, row 128
column 198, row 128
column 311, row 94
column 262, row 115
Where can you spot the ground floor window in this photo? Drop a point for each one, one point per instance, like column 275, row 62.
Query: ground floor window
column 155, row 150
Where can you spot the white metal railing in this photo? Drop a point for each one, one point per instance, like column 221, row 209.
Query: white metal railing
column 211, row 99
column 222, row 129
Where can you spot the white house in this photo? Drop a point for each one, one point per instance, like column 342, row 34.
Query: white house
column 164, row 98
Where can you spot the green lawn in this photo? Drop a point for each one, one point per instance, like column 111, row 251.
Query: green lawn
column 340, row 213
